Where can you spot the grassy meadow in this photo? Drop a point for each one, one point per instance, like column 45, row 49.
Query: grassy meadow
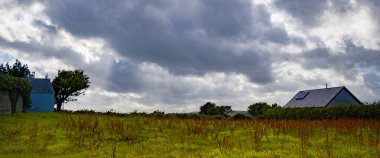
column 94, row 135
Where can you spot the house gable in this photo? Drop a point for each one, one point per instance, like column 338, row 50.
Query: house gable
column 42, row 95
column 344, row 97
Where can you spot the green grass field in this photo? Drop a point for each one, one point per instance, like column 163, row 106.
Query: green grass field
column 90, row 135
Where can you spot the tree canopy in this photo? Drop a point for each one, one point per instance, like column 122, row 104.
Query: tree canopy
column 258, row 109
column 16, row 87
column 11, row 80
column 212, row 109
column 17, row 70
column 69, row 84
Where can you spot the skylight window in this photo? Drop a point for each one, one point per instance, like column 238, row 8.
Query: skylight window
column 302, row 95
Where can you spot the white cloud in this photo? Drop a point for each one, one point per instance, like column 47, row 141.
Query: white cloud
column 16, row 23
column 356, row 24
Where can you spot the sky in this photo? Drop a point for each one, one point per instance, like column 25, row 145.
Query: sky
column 174, row 56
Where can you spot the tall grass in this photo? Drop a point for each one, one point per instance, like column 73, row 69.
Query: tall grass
column 93, row 135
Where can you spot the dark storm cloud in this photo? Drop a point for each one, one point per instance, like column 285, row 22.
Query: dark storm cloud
column 126, row 74
column 185, row 37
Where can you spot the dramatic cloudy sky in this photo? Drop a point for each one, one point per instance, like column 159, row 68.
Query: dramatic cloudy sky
column 175, row 55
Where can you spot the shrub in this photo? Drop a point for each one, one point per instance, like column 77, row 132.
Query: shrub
column 369, row 111
column 211, row 109
column 16, row 86
column 258, row 109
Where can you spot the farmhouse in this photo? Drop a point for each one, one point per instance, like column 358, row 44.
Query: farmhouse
column 42, row 95
column 322, row 98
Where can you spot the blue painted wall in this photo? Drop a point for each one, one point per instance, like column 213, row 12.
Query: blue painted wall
column 344, row 97
column 42, row 102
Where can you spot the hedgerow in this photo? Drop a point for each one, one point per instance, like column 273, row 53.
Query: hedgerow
column 368, row 111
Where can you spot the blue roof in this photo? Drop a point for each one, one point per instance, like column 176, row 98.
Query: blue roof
column 41, row 85
column 317, row 97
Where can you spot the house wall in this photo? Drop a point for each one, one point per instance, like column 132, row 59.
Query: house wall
column 344, row 97
column 5, row 103
column 42, row 102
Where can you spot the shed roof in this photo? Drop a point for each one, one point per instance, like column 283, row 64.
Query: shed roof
column 317, row 97
column 41, row 85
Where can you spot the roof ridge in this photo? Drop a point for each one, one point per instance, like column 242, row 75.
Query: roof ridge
column 325, row 88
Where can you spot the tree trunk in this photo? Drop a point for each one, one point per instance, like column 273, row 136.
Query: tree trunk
column 59, row 105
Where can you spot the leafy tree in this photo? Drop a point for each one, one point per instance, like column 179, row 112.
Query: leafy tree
column 211, row 109
column 16, row 87
column 258, row 109
column 158, row 113
column 69, row 84
column 208, row 109
column 17, row 70
column 10, row 80
column 223, row 110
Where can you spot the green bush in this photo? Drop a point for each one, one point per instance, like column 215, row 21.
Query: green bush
column 16, row 86
column 258, row 109
column 211, row 109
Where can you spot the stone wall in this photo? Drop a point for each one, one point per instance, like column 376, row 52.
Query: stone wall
column 19, row 104
column 5, row 103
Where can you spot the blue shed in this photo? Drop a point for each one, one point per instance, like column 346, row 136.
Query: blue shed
column 42, row 96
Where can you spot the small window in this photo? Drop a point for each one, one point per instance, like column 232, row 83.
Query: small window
column 301, row 95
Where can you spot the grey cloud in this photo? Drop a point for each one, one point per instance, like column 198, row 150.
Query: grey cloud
column 185, row 41
column 374, row 7
column 348, row 63
column 49, row 28
column 308, row 11
column 45, row 51
column 372, row 81
column 215, row 18
column 342, row 6
column 125, row 77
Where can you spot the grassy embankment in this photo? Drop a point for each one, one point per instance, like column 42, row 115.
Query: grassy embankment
column 90, row 135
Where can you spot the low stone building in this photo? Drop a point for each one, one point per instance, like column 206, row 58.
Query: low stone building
column 5, row 103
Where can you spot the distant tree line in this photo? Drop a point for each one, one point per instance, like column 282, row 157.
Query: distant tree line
column 261, row 110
